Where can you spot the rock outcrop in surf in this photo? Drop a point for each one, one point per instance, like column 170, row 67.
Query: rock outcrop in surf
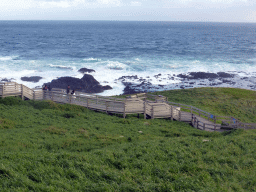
column 86, row 70
column 33, row 79
column 87, row 84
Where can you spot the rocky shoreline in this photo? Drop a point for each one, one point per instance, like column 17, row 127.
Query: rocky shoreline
column 158, row 82
column 87, row 84
column 135, row 84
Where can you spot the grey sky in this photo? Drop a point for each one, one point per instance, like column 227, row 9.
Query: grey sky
column 153, row 10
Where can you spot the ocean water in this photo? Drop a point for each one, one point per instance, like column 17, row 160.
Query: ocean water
column 53, row 49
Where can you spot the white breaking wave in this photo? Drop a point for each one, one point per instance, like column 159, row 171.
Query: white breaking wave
column 7, row 58
column 62, row 67
column 116, row 66
column 92, row 59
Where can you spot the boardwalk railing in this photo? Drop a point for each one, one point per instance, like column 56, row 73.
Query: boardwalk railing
column 153, row 106
column 14, row 89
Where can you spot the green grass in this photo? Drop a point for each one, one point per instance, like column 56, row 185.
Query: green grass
column 238, row 103
column 46, row 146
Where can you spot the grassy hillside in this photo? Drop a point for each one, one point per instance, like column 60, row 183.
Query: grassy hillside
column 51, row 147
column 234, row 102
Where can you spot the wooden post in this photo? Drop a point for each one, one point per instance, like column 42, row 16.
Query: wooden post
column 34, row 95
column 204, row 126
column 69, row 98
column 214, row 120
column 96, row 99
column 87, row 102
column 124, row 115
column 171, row 112
column 3, row 89
column 197, row 124
column 179, row 115
column 145, row 115
column 152, row 112
column 107, row 106
column 22, row 92
column 43, row 95
column 199, row 114
column 192, row 118
column 52, row 94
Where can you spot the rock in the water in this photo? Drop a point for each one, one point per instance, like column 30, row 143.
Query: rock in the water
column 86, row 84
column 225, row 75
column 128, row 77
column 85, row 70
column 129, row 90
column 204, row 75
column 6, row 80
column 34, row 79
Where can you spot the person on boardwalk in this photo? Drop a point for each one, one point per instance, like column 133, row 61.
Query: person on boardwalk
column 68, row 89
column 45, row 87
column 73, row 93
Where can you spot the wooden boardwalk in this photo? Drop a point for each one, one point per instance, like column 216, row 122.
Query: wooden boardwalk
column 152, row 106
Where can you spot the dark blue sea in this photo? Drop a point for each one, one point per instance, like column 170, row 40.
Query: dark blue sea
column 53, row 49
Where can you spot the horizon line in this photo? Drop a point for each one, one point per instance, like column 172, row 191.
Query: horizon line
column 115, row 20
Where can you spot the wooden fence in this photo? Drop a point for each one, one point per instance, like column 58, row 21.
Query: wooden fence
column 153, row 106
column 14, row 89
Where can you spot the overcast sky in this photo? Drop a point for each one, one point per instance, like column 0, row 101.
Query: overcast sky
column 141, row 10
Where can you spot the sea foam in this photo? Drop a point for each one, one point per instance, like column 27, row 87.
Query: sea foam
column 7, row 58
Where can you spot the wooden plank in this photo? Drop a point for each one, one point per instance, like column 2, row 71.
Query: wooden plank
column 12, row 86
column 12, row 90
column 11, row 93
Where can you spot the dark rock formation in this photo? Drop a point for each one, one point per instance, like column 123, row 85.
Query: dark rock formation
column 225, row 75
column 128, row 77
column 84, row 70
column 86, row 84
column 129, row 89
column 204, row 75
column 34, row 79
column 158, row 75
column 6, row 80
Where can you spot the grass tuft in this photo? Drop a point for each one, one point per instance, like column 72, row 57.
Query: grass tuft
column 6, row 123
column 55, row 130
